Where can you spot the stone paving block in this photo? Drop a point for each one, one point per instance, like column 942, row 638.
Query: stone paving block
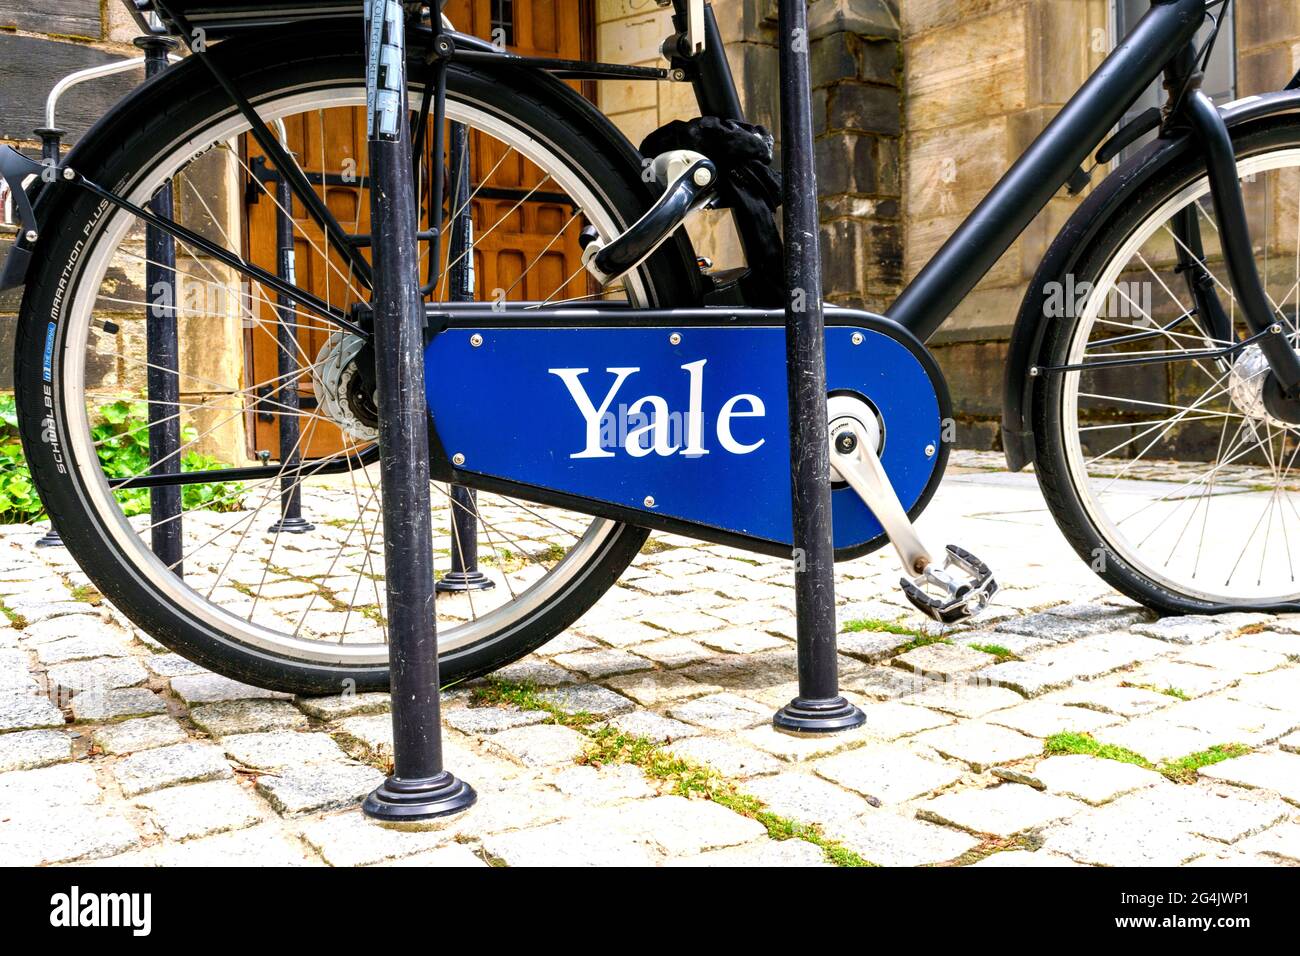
column 762, row 853
column 201, row 809
column 652, row 688
column 652, row 726
column 1018, row 644
column 965, row 700
column 1279, row 690
column 30, row 749
column 104, row 673
column 1281, row 842
column 890, row 720
column 367, row 737
column 681, row 827
column 682, row 622
column 453, row 854
column 247, row 717
column 945, row 661
column 24, row 710
column 1001, row 811
column 576, row 842
column 1072, row 621
column 1199, row 628
column 1272, row 641
column 82, row 648
column 58, row 785
column 1120, row 701
column 1232, row 658
column 61, row 835
column 980, row 745
column 1216, row 812
column 722, row 712
column 605, row 662
column 674, row 652
column 1191, row 679
column 318, row 787
column 1008, row 859
column 1235, row 721
column 166, row 766
column 806, row 798
column 1024, row 677
column 142, row 733
column 489, row 720
column 264, row 845
column 115, row 704
column 1290, row 743
column 1092, row 779
column 619, row 633
column 544, row 745
column 281, row 748
column 1105, row 836
column 1273, row 770
column 338, row 706
column 887, row 683
column 1157, row 738
column 171, row 665
column 888, row 839
column 611, row 783
column 587, row 699
column 351, row 839
column 212, row 688
column 48, row 610
column 888, row 774
column 729, row 759
column 743, row 640
column 1038, row 718
column 871, row 646
column 797, row 747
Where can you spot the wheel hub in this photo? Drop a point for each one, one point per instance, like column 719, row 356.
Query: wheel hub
column 1255, row 392
column 340, row 394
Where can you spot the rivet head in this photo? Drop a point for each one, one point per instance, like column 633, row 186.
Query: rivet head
column 476, row 340
column 675, row 339
column 702, row 176
column 31, row 235
column 929, row 451
column 68, row 173
column 458, row 459
column 1275, row 328
column 857, row 338
column 649, row 501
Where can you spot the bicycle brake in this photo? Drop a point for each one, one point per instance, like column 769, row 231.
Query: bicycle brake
column 953, row 591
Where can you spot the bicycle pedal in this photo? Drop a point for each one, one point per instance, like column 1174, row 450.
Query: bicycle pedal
column 955, row 592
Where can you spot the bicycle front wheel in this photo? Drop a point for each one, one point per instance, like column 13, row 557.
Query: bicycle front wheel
column 247, row 595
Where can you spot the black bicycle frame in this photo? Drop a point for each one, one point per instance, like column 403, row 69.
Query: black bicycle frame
column 1077, row 130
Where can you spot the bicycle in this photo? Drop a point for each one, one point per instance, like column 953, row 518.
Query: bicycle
column 682, row 367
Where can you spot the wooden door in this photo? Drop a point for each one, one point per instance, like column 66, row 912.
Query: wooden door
column 525, row 226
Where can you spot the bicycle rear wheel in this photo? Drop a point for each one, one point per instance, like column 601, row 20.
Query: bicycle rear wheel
column 301, row 612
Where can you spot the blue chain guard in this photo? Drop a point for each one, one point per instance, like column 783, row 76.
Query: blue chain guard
column 510, row 406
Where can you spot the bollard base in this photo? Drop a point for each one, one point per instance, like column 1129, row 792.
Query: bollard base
column 822, row 716
column 292, row 526
column 51, row 539
column 458, row 581
column 405, row 801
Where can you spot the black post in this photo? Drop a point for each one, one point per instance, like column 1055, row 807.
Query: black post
column 51, row 139
column 286, row 393
column 419, row 787
column 819, row 708
column 464, row 574
column 163, row 386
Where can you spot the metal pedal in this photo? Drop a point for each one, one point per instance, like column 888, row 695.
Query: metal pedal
column 951, row 597
column 958, row 589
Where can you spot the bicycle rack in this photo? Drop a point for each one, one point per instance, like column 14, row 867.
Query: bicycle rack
column 819, row 707
column 419, row 787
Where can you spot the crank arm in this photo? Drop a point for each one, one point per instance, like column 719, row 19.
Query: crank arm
column 692, row 179
column 958, row 588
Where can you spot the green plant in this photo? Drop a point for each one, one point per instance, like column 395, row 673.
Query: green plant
column 121, row 436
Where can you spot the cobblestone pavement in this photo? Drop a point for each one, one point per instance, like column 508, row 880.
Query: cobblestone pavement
column 113, row 751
